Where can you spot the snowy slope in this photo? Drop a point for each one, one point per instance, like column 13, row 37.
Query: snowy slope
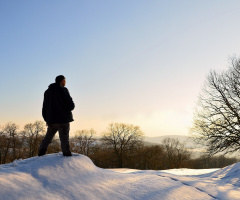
column 57, row 177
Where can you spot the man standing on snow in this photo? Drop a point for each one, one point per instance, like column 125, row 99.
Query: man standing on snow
column 56, row 111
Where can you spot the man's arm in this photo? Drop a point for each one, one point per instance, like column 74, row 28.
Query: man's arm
column 68, row 100
column 44, row 108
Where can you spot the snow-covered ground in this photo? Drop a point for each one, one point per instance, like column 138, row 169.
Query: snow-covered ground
column 54, row 177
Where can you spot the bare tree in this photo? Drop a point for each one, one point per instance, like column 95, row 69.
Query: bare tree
column 217, row 116
column 122, row 138
column 2, row 144
column 152, row 157
column 10, row 138
column 175, row 152
column 33, row 136
column 83, row 141
column 207, row 161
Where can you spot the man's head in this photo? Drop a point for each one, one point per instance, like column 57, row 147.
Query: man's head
column 60, row 80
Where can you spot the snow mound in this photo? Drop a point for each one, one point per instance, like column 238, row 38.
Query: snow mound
column 46, row 177
column 229, row 175
column 53, row 176
column 220, row 184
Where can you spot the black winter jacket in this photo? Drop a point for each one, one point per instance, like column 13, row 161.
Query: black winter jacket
column 57, row 105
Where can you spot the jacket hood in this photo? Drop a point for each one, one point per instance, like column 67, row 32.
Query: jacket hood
column 54, row 86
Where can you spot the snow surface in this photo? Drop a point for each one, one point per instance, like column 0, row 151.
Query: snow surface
column 54, row 177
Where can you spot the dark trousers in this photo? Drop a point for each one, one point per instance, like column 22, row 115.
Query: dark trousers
column 63, row 130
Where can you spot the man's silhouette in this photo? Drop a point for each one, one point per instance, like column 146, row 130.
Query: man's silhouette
column 56, row 111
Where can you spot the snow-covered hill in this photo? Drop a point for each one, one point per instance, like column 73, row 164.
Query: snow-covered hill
column 195, row 148
column 66, row 178
column 187, row 141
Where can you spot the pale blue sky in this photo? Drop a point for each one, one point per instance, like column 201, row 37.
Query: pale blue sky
column 131, row 61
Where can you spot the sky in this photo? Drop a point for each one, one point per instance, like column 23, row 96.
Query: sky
column 132, row 61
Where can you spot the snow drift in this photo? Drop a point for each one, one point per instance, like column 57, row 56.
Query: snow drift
column 54, row 177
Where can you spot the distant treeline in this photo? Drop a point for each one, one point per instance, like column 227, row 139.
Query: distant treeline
column 120, row 146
